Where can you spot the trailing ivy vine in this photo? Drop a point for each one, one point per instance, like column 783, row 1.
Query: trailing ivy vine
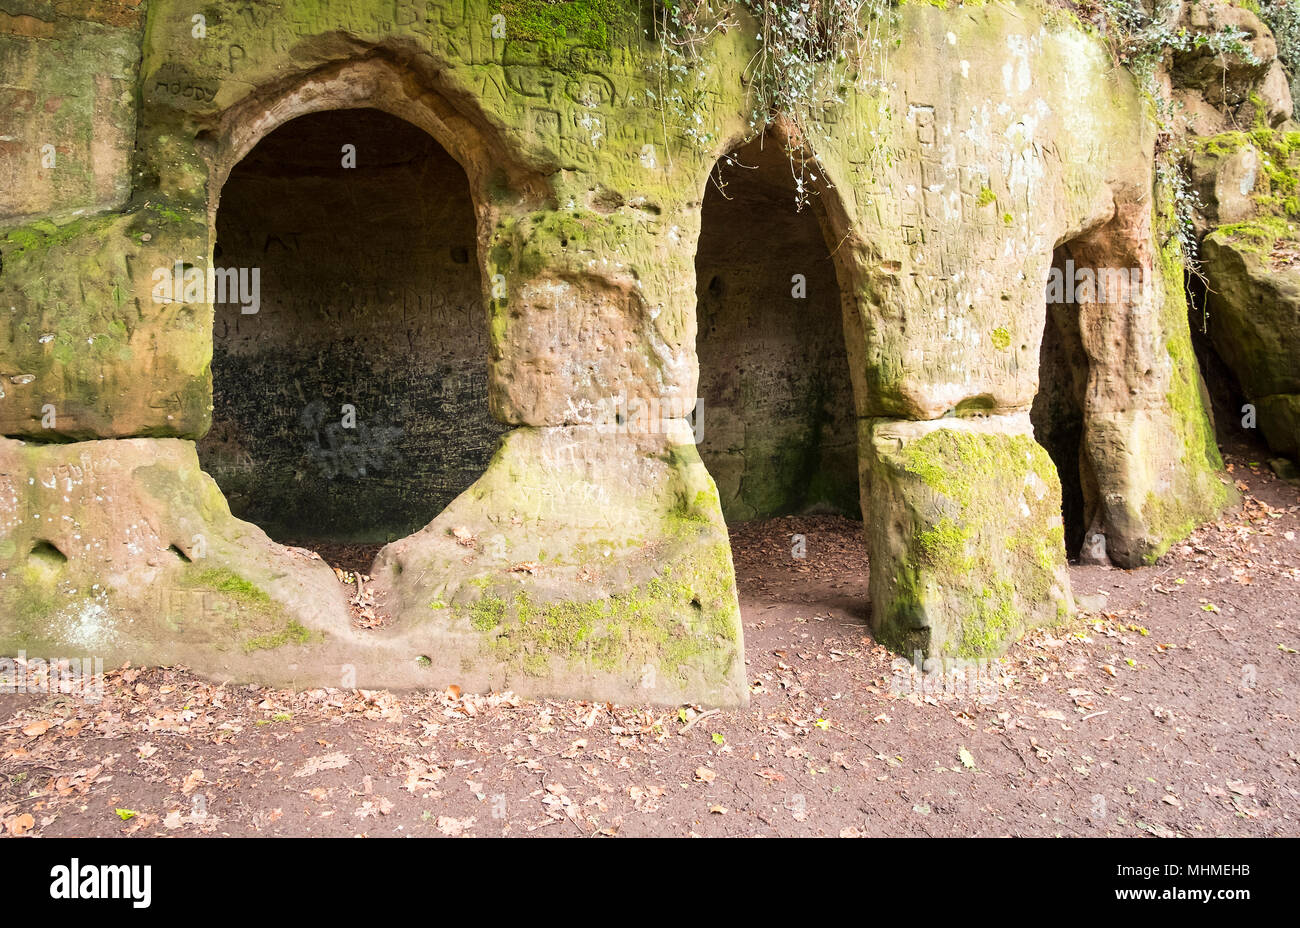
column 809, row 54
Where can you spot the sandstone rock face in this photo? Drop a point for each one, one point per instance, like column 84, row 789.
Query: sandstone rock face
column 67, row 115
column 1248, row 84
column 529, row 271
column 1254, row 325
column 584, row 560
column 1247, row 199
column 967, row 514
column 126, row 550
column 88, row 348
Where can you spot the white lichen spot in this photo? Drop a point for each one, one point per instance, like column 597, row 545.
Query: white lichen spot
column 86, row 625
column 1036, row 484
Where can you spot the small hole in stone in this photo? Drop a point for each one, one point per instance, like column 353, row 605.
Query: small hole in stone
column 179, row 553
column 460, row 254
column 697, row 604
column 715, row 286
column 47, row 552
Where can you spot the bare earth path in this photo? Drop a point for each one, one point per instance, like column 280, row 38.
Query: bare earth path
column 1172, row 710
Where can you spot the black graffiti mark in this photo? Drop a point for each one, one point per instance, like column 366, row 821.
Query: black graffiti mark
column 336, row 451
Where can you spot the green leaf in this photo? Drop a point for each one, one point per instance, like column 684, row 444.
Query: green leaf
column 125, row 814
column 966, row 758
column 717, row 737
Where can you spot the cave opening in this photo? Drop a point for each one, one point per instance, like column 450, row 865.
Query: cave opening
column 1227, row 397
column 779, row 426
column 350, row 405
column 1058, row 410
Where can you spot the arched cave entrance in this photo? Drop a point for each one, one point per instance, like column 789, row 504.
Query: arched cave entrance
column 352, row 405
column 779, row 427
column 1058, row 409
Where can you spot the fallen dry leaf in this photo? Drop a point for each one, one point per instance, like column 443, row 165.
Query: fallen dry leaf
column 315, row 765
column 192, row 782
column 20, row 824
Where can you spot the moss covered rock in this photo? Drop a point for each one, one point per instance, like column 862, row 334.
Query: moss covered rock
column 584, row 560
column 89, row 348
column 68, row 78
column 1254, row 322
column 126, row 551
column 966, row 537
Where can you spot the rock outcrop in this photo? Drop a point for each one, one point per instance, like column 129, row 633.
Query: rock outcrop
column 590, row 557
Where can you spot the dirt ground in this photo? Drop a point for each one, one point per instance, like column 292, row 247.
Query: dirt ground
column 1170, row 709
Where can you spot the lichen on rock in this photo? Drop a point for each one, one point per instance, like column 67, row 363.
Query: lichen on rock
column 947, row 172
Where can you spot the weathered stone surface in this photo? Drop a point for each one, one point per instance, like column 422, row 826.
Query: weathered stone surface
column 1250, row 87
column 1001, row 138
column 948, row 239
column 584, row 560
column 1254, row 325
column 1242, row 177
column 1228, row 179
column 966, row 537
column 1254, row 307
column 1249, row 186
column 67, row 114
column 125, row 550
column 1279, row 420
column 1149, row 471
column 945, row 243
column 87, row 350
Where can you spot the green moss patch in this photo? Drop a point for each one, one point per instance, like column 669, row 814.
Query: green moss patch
column 590, row 22
column 221, row 580
column 984, row 569
column 292, row 633
column 683, row 620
